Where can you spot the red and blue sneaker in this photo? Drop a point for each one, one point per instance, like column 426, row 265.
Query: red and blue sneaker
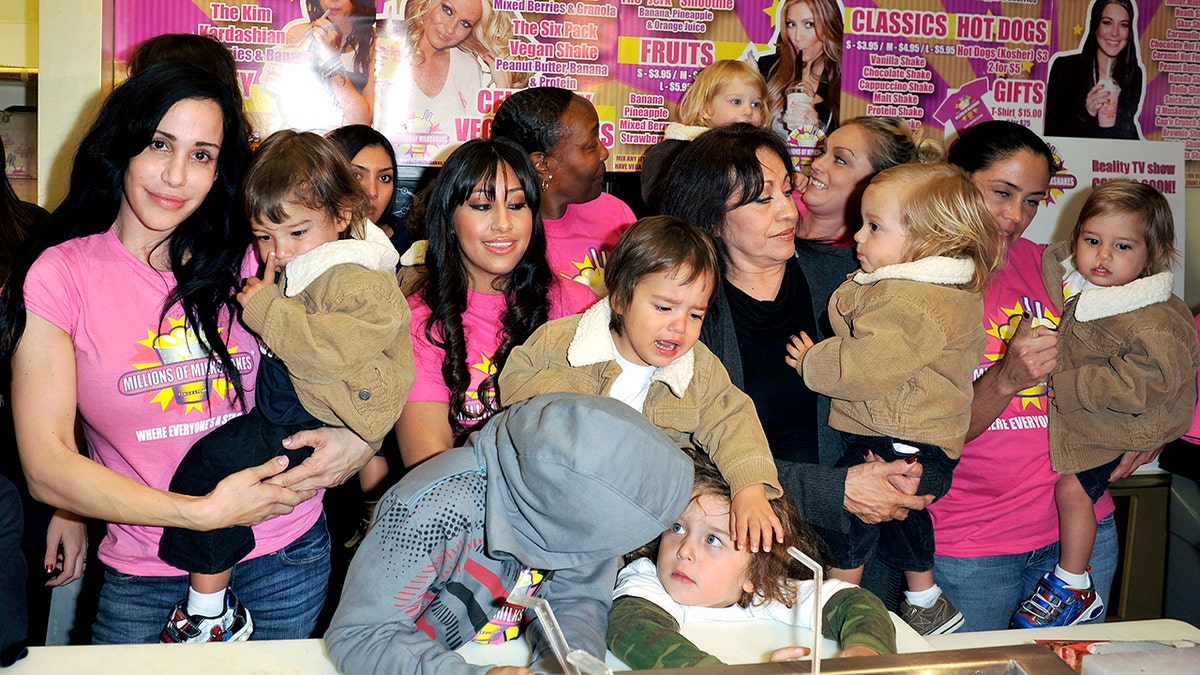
column 232, row 625
column 1053, row 603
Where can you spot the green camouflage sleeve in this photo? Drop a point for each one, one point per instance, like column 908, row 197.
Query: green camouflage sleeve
column 643, row 635
column 854, row 616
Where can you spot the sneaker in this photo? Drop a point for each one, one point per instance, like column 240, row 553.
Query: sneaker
column 232, row 625
column 1053, row 603
column 942, row 618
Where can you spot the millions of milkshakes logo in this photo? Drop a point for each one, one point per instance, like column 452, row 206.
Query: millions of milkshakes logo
column 591, row 270
column 1060, row 182
column 472, row 406
column 171, row 370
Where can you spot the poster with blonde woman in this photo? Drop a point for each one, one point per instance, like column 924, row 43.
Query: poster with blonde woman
column 437, row 61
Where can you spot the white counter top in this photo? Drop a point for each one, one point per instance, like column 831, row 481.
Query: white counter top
column 309, row 657
column 1156, row 629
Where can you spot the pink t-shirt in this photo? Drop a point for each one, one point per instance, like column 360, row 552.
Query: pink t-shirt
column 579, row 243
column 1002, row 499
column 1193, row 434
column 482, row 327
column 142, row 385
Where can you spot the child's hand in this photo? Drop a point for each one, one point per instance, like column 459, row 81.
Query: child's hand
column 789, row 654
column 751, row 518
column 509, row 670
column 855, row 650
column 255, row 284
column 796, row 351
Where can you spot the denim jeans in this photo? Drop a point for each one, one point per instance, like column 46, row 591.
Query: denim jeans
column 283, row 591
column 988, row 590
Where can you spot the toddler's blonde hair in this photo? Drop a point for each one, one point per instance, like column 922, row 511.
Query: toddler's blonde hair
column 944, row 214
column 709, row 81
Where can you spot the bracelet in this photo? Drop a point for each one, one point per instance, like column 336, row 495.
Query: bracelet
column 331, row 68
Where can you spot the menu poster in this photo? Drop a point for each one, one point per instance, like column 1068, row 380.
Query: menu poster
column 946, row 65
column 662, row 45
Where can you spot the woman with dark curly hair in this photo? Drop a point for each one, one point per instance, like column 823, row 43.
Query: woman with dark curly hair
column 561, row 132
column 1096, row 92
column 487, row 287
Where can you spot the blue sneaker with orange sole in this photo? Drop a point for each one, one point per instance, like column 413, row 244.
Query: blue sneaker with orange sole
column 1053, row 603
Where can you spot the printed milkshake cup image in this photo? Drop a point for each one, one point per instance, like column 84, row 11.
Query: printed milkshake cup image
column 1107, row 115
column 181, row 345
column 798, row 110
column 804, row 132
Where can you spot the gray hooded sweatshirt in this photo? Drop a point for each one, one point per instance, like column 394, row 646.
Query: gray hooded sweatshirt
column 564, row 483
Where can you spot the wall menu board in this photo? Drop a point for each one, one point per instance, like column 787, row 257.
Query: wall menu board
column 429, row 83
column 947, row 64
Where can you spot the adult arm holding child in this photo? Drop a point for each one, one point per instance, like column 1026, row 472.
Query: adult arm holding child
column 44, row 403
column 1031, row 356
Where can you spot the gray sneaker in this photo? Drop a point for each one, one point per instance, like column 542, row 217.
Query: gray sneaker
column 943, row 617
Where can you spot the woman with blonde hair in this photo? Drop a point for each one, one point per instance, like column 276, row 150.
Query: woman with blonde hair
column 808, row 60
column 448, row 49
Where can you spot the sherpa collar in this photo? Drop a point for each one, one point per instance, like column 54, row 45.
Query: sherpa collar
column 1103, row 302
column 592, row 344
column 682, row 132
column 374, row 252
column 933, row 270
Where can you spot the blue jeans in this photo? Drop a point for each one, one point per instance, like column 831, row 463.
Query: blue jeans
column 283, row 591
column 989, row 589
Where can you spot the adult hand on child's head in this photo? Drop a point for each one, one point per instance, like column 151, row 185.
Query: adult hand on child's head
column 337, row 455
column 255, row 284
column 1031, row 356
column 789, row 654
column 873, row 498
column 752, row 520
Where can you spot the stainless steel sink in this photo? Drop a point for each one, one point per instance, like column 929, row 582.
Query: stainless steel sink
column 1028, row 659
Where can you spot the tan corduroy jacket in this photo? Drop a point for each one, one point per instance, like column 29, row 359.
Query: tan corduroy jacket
column 339, row 322
column 907, row 341
column 691, row 399
column 1126, row 375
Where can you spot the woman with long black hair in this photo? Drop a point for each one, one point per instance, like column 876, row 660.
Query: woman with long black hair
column 488, row 286
column 1096, row 92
